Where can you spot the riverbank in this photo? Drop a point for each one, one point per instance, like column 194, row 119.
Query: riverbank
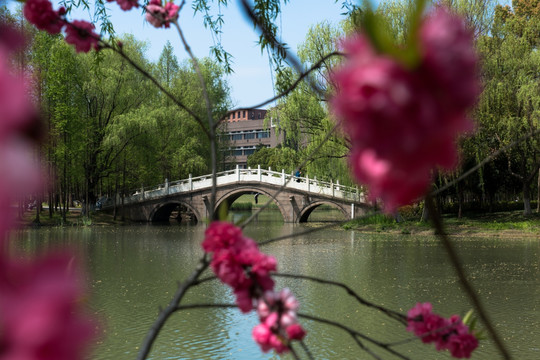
column 73, row 218
column 507, row 224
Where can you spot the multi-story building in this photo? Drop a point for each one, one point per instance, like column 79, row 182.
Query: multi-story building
column 242, row 131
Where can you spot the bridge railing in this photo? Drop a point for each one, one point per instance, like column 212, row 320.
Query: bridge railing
column 306, row 184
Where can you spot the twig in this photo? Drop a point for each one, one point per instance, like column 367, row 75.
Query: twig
column 460, row 272
column 390, row 313
column 170, row 309
column 211, row 125
column 299, row 80
column 485, row 161
column 312, row 230
column 355, row 335
column 121, row 52
column 274, row 196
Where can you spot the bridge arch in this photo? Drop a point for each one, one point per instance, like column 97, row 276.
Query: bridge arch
column 306, row 211
column 233, row 195
column 162, row 212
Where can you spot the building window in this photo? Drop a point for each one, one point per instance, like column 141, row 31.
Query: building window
column 249, row 151
column 236, row 136
column 249, row 136
column 259, row 115
column 252, row 115
column 263, row 134
column 233, row 115
column 244, row 114
column 239, row 114
column 237, row 152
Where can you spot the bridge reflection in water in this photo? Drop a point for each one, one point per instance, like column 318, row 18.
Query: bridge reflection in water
column 296, row 197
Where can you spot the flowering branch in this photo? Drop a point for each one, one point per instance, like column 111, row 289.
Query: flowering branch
column 460, row 272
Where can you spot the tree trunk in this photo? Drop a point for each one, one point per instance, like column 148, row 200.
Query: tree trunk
column 460, row 201
column 425, row 213
column 538, row 194
column 526, row 199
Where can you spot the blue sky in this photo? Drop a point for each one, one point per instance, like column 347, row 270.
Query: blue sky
column 251, row 82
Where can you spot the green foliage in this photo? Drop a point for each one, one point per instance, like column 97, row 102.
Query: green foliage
column 278, row 158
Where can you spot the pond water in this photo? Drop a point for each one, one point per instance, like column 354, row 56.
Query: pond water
column 133, row 270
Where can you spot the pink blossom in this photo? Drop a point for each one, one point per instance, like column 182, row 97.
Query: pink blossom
column 41, row 14
column 40, row 315
column 296, row 332
column 450, row 59
column 462, row 345
column 159, row 16
column 424, row 324
column 81, row 34
column 277, row 312
column 126, row 4
column 156, row 15
column 450, row 334
column 261, row 334
column 238, row 262
column 172, row 11
column 16, row 110
column 403, row 122
column 221, row 234
column 19, row 173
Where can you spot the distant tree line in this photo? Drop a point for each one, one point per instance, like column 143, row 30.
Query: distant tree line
column 507, row 41
column 108, row 129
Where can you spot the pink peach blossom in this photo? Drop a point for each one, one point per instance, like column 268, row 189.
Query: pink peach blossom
column 40, row 313
column 447, row 334
column 126, row 4
column 41, row 14
column 403, row 122
column 295, row 332
column 81, row 34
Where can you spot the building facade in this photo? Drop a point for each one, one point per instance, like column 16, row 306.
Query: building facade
column 242, row 131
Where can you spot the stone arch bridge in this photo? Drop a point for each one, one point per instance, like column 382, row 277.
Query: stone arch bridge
column 298, row 197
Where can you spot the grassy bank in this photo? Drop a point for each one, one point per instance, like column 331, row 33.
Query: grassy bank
column 504, row 223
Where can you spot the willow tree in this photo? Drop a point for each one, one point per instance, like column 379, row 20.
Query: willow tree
column 510, row 104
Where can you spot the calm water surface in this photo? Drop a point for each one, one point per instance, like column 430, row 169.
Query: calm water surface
column 132, row 271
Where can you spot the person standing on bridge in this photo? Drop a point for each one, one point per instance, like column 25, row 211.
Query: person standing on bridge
column 297, row 174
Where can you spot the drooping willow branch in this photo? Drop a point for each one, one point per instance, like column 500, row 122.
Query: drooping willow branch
column 390, row 313
column 485, row 161
column 275, row 44
column 460, row 272
column 145, row 73
column 300, row 78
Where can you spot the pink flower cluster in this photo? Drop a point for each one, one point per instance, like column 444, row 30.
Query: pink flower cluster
column 40, row 310
column 79, row 33
column 126, row 4
column 40, row 317
column 18, row 117
column 447, row 334
column 277, row 313
column 403, row 122
column 238, row 263
column 161, row 16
